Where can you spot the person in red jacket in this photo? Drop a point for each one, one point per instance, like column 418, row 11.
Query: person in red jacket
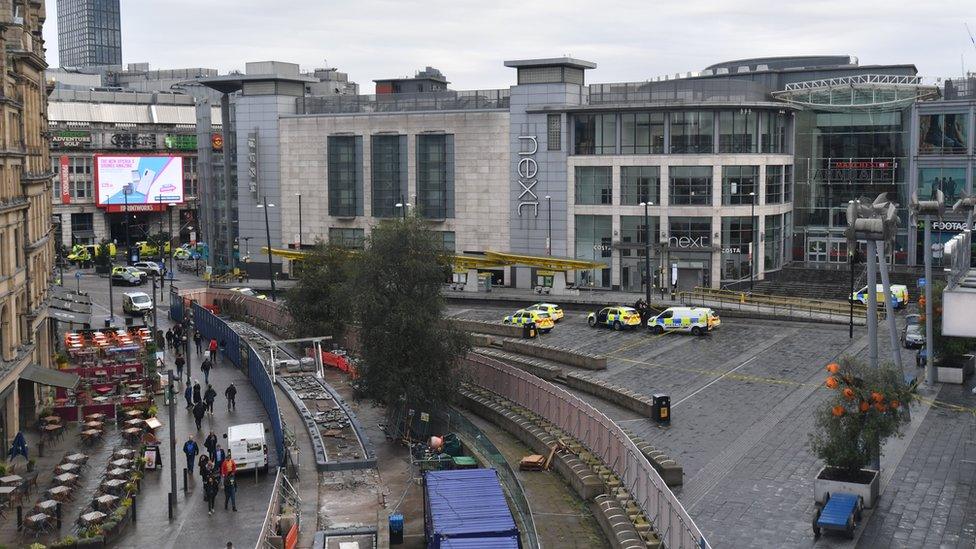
column 229, row 466
column 213, row 350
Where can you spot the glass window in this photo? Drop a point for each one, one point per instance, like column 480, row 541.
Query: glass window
column 595, row 133
column 388, row 174
column 691, row 132
column 773, row 242
column 554, row 132
column 640, row 184
column 774, row 184
column 773, row 128
column 788, row 183
column 738, row 131
column 446, row 240
column 347, row 238
column 435, row 168
column 690, row 185
column 942, row 133
column 632, row 234
column 738, row 183
column 738, row 234
column 82, row 222
column 594, row 242
column 642, row 133
column 344, row 187
column 690, row 232
column 593, row 185
column 951, row 181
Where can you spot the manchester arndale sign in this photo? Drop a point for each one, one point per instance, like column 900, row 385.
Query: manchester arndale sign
column 526, row 172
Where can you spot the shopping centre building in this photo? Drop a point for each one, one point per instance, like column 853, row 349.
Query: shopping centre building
column 744, row 165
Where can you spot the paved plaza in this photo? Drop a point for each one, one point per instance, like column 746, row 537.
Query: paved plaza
column 742, row 402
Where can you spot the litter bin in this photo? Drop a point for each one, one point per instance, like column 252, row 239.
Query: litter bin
column 661, row 408
column 396, row 529
column 128, row 321
column 108, row 322
column 528, row 330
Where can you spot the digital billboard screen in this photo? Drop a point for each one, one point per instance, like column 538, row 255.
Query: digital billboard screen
column 153, row 180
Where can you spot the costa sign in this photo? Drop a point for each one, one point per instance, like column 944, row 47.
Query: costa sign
column 526, row 171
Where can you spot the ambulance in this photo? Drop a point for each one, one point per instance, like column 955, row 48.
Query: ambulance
column 694, row 320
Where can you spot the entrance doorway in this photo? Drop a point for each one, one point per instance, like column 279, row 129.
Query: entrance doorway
column 817, row 250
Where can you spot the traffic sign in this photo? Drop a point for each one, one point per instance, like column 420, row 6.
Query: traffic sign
column 78, row 275
column 921, row 283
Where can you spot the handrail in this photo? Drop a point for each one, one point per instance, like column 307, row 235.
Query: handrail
column 266, row 528
column 779, row 304
column 604, row 438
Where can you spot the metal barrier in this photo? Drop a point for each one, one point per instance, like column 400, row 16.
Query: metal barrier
column 282, row 494
column 273, row 506
column 601, row 436
column 776, row 305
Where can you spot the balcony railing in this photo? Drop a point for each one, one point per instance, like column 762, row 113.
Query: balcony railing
column 397, row 102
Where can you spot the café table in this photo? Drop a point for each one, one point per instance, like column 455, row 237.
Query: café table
column 59, row 493
column 51, row 419
column 11, row 480
column 52, row 430
column 6, row 492
column 135, row 422
column 94, row 425
column 95, row 417
column 47, row 506
column 67, row 467
column 123, row 453
column 118, row 472
column 93, row 517
column 66, row 478
column 121, row 462
column 132, row 434
column 39, row 523
column 134, row 413
column 105, row 501
column 113, row 485
column 89, row 436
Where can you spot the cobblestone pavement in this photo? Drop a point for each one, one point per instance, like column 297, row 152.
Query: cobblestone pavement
column 742, row 401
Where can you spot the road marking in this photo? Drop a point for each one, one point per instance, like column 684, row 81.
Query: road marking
column 639, row 341
column 712, row 382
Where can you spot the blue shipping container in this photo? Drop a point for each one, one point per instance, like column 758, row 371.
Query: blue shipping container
column 467, row 504
column 507, row 542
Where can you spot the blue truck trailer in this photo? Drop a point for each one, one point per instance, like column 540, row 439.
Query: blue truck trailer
column 466, row 509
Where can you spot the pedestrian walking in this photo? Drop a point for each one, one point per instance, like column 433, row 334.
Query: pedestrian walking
column 199, row 409
column 229, row 466
column 180, row 362
column 208, row 397
column 191, row 450
column 219, row 457
column 198, row 341
column 196, row 393
column 230, row 491
column 160, row 339
column 205, row 368
column 211, row 444
column 170, row 338
column 210, row 488
column 212, row 347
column 188, row 395
column 231, row 393
column 206, row 468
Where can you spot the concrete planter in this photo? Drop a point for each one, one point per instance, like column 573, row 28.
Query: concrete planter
column 867, row 490
column 955, row 371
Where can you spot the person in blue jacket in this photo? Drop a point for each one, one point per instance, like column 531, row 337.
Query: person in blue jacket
column 191, row 450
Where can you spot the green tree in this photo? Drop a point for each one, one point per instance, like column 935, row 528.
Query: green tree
column 321, row 302
column 945, row 346
column 103, row 256
column 158, row 242
column 409, row 354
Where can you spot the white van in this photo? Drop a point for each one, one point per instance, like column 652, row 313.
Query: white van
column 697, row 320
column 248, row 446
column 136, row 302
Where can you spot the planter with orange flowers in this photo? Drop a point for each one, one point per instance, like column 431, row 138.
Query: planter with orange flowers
column 867, row 406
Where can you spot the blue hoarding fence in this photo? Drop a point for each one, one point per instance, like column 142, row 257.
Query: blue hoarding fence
column 243, row 356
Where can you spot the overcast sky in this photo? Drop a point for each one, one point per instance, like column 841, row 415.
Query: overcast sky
column 469, row 40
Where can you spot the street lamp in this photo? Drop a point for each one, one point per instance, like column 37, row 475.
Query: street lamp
column 171, row 205
column 299, row 195
column 752, row 242
column 126, row 191
column 404, row 206
column 549, row 232
column 267, row 228
column 647, row 253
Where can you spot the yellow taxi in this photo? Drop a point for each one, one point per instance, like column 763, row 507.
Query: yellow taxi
column 616, row 318
column 543, row 322
column 554, row 311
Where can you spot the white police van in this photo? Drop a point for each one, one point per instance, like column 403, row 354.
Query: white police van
column 695, row 320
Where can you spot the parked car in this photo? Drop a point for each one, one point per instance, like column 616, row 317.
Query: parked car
column 151, row 267
column 696, row 320
column 551, row 308
column 543, row 322
column 912, row 319
column 616, row 318
column 912, row 337
column 249, row 292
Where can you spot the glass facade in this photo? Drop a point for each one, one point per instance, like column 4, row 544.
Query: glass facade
column 943, row 134
column 345, row 186
column 691, row 132
column 594, row 242
column 738, row 131
column 388, row 174
column 774, row 184
column 773, row 242
column 738, row 233
column 773, row 132
column 89, row 33
column 951, row 181
column 595, row 133
column 632, row 234
column 593, row 185
column 740, row 185
column 347, row 238
column 690, row 185
column 640, row 184
column 435, row 176
column 642, row 133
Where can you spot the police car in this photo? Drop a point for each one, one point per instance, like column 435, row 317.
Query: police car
column 551, row 308
column 616, row 318
column 695, row 320
column 543, row 322
column 899, row 295
column 129, row 275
